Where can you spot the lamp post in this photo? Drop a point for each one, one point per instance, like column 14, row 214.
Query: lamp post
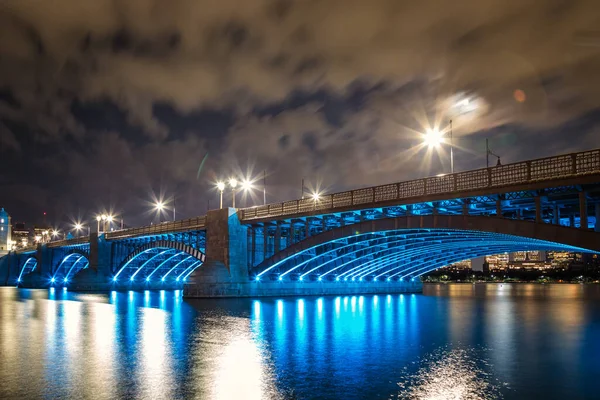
column 78, row 228
column 435, row 138
column 98, row 219
column 159, row 206
column 221, row 187
column 233, row 183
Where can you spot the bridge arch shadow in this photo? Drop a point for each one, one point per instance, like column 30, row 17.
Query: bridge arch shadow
column 406, row 247
column 159, row 261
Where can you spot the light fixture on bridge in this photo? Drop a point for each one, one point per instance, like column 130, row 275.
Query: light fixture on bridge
column 316, row 196
column 233, row 183
column 52, row 280
column 221, row 187
column 159, row 206
column 114, row 279
column 54, row 233
column 433, row 138
column 257, row 278
column 65, row 280
column 246, row 184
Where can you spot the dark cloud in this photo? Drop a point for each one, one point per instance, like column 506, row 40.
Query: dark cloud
column 103, row 102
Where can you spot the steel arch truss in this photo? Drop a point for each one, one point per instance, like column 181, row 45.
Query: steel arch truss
column 69, row 266
column 396, row 254
column 28, row 266
column 160, row 261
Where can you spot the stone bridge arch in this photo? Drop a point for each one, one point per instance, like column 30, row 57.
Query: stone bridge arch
column 409, row 246
column 159, row 260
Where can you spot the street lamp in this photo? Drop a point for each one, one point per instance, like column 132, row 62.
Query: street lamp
column 221, row 187
column 98, row 219
column 233, row 183
column 78, row 228
column 435, row 138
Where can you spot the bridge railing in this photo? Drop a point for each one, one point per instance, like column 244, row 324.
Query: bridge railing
column 542, row 169
column 165, row 227
column 69, row 242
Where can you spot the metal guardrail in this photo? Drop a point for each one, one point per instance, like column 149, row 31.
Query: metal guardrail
column 165, row 227
column 69, row 242
column 531, row 171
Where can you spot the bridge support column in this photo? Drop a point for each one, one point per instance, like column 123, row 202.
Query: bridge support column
column 572, row 221
column 556, row 216
column 538, row 210
column 265, row 240
column 583, row 220
column 225, row 270
column 253, row 252
column 465, row 208
column 277, row 245
column 306, row 228
column 498, row 208
column 597, row 212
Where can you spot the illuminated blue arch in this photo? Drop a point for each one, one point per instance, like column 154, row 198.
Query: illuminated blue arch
column 69, row 266
column 28, row 266
column 403, row 247
column 160, row 261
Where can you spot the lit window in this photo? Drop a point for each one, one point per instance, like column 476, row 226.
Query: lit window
column 1, row 228
column 1, row 220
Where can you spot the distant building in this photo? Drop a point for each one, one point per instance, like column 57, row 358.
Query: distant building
column 497, row 261
column 41, row 234
column 5, row 233
column 20, row 235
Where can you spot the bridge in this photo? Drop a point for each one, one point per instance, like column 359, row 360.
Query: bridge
column 368, row 240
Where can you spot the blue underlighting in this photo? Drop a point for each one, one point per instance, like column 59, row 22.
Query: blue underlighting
column 360, row 279
column 257, row 278
column 131, row 279
column 388, row 279
column 18, row 279
column 301, row 279
column 64, row 288
column 162, row 279
column 352, row 279
column 337, row 278
column 177, row 279
column 375, row 279
column 319, row 279
column 147, row 279
column 115, row 279
column 52, row 280
column 65, row 280
column 280, row 278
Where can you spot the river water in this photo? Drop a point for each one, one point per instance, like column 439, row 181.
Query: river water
column 455, row 341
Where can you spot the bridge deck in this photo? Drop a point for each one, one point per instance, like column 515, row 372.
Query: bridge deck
column 563, row 170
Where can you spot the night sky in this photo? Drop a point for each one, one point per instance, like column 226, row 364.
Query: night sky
column 106, row 104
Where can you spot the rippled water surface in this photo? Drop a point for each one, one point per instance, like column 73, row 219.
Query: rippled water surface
column 452, row 342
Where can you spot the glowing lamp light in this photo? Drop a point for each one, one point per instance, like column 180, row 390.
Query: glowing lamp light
column 109, row 218
column 257, row 278
column 78, row 226
column 246, row 184
column 98, row 218
column 233, row 183
column 55, row 233
column 316, row 196
column 159, row 205
column 433, row 138
column 115, row 279
column 221, row 186
column 52, row 280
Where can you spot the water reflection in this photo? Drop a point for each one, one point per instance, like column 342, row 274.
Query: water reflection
column 457, row 341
